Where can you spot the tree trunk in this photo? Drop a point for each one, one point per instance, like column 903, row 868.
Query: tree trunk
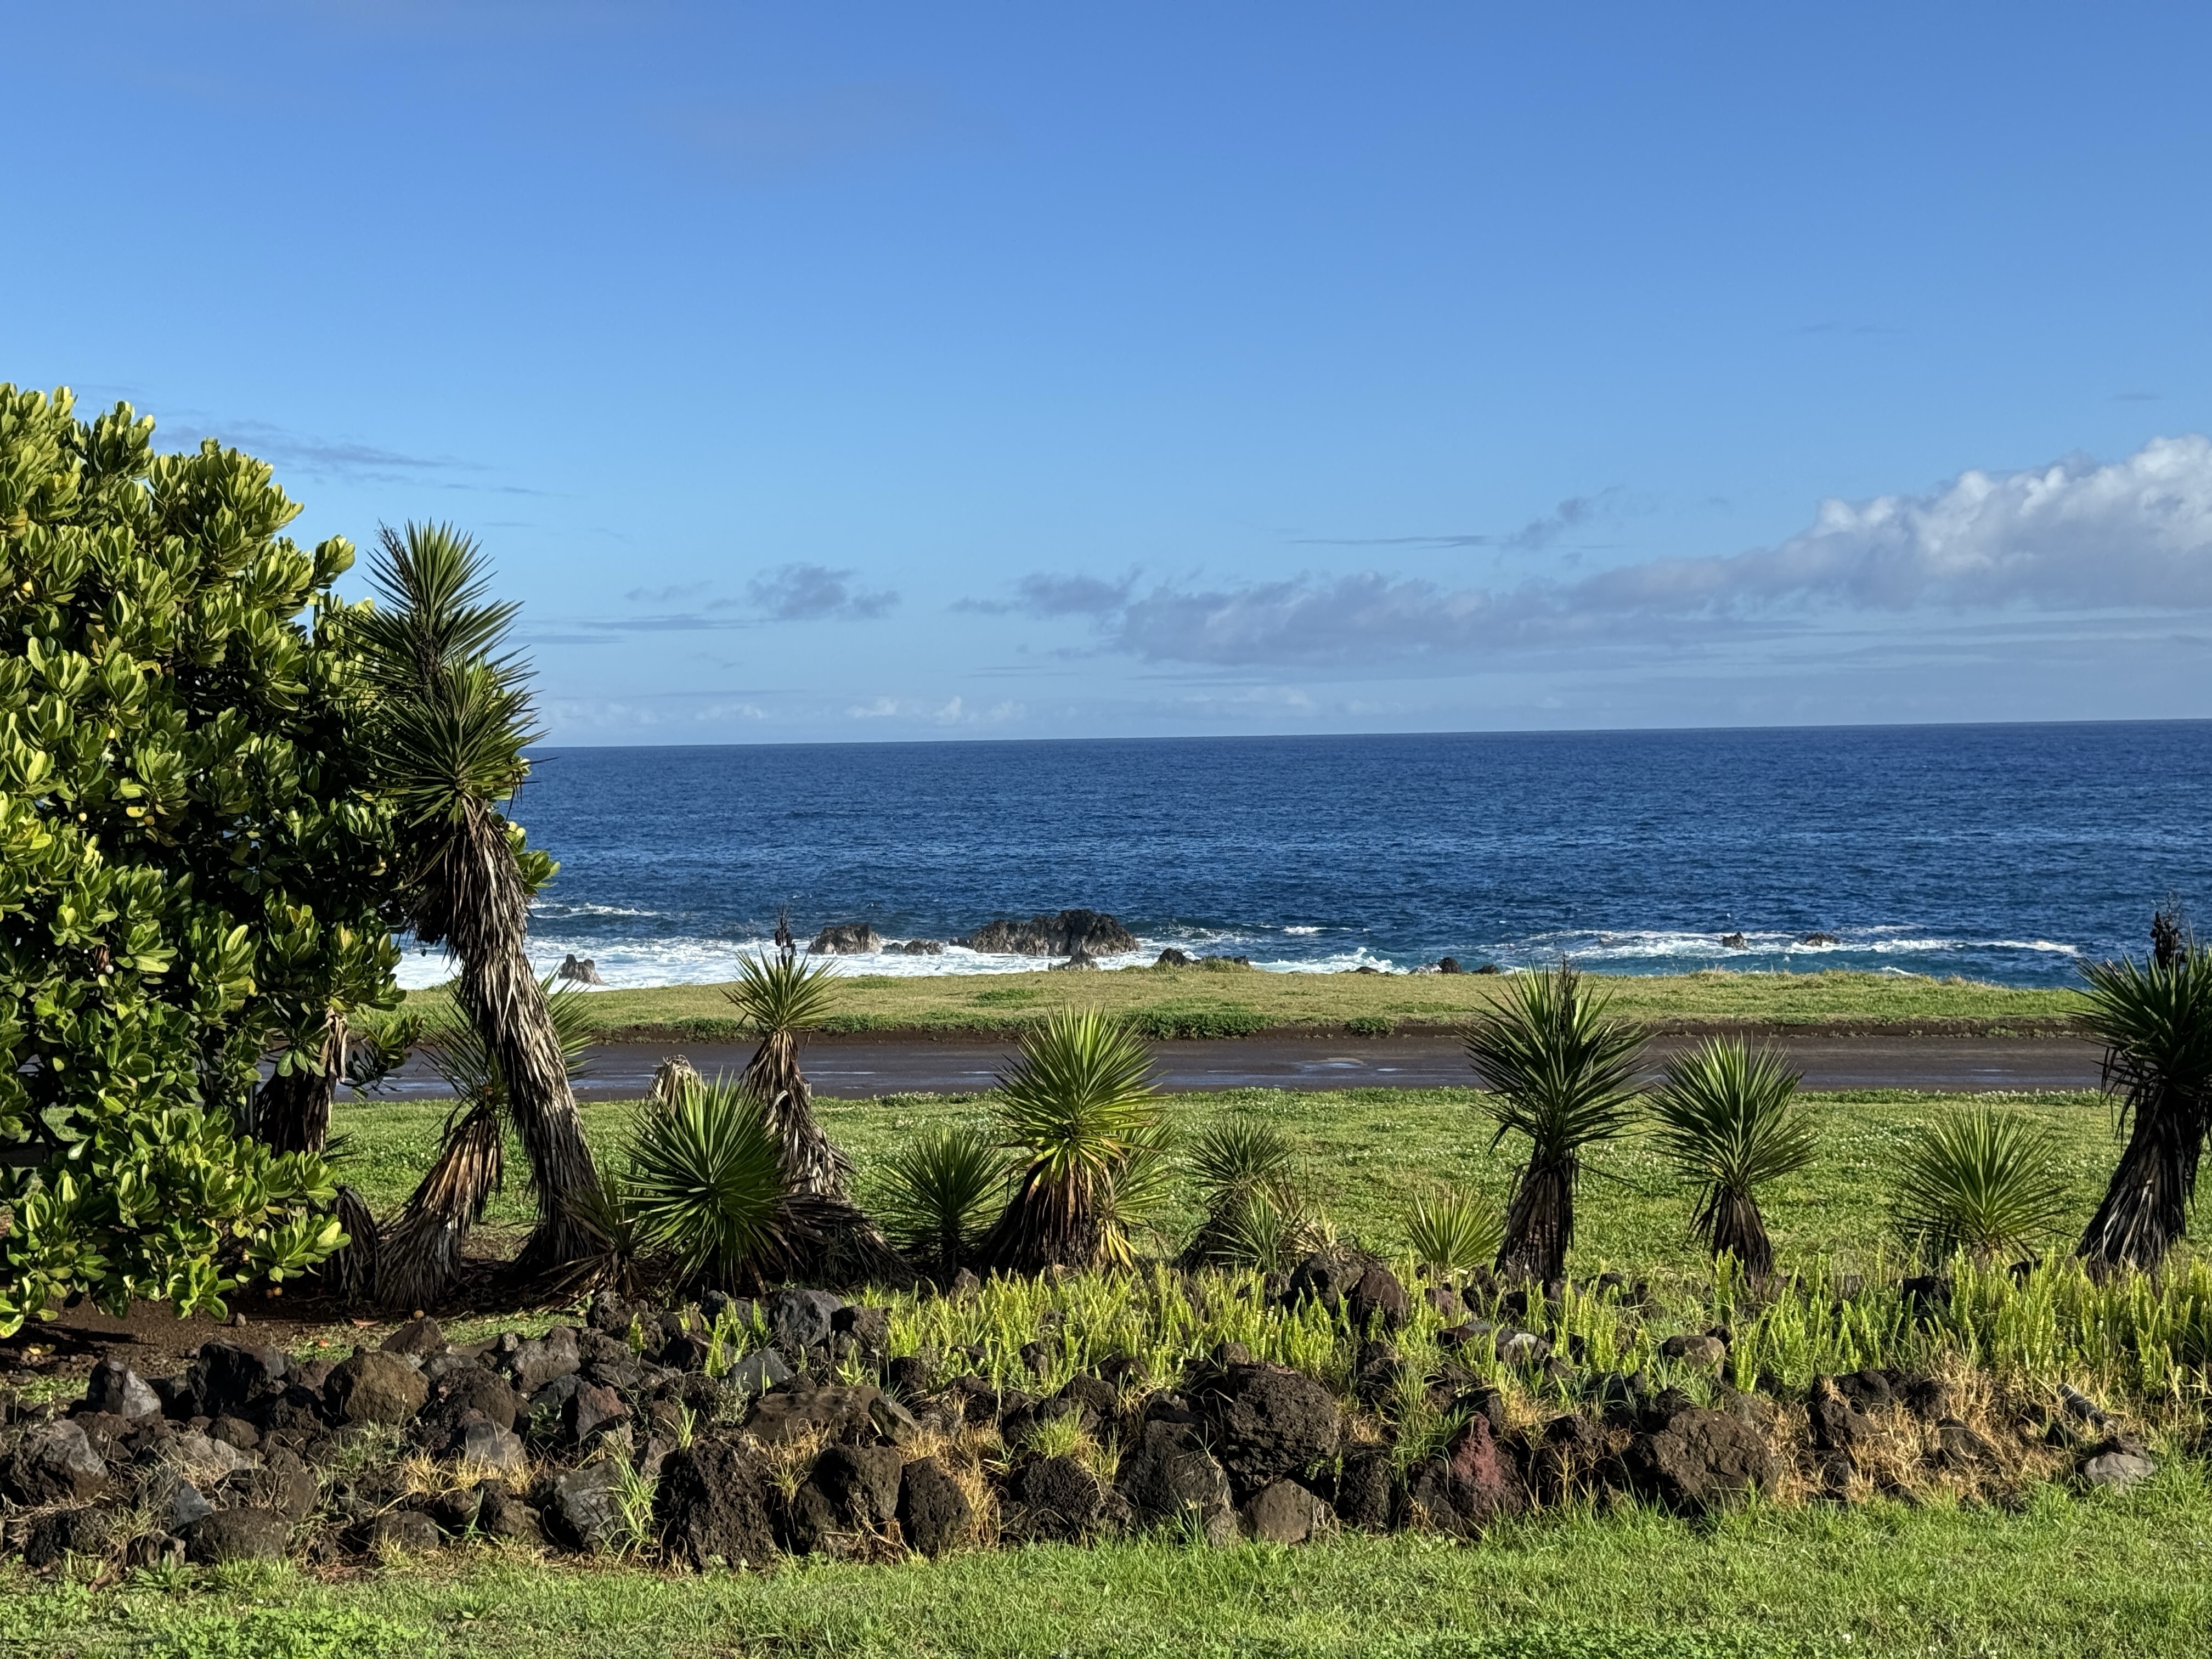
column 2145, row 1208
column 474, row 903
column 1732, row 1226
column 292, row 1110
column 419, row 1259
column 1539, row 1222
column 812, row 1161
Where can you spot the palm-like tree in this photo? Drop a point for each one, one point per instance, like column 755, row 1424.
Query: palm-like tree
column 451, row 719
column 779, row 1000
column 1559, row 1072
column 2155, row 1019
column 1080, row 1109
column 706, row 1184
column 1729, row 1122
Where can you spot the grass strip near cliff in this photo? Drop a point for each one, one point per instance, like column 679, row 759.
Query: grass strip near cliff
column 1166, row 1002
column 2109, row 1575
column 1365, row 1152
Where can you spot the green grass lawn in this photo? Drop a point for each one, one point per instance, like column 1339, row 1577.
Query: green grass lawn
column 1365, row 1151
column 2101, row 1576
column 1199, row 1002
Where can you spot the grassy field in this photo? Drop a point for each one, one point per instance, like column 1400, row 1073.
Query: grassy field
column 1171, row 1002
column 1365, row 1151
column 2106, row 1576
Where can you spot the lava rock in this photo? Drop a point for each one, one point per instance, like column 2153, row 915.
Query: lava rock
column 1071, row 933
column 2118, row 1469
column 242, row 1535
column 1837, row 1425
column 375, row 1387
column 870, row 1329
column 1471, row 1485
column 421, row 1337
column 1269, row 1422
column 1170, row 1471
column 115, row 1389
column 1364, row 1487
column 800, row 1408
column 1699, row 1461
column 1958, row 1447
column 799, row 1320
column 757, row 1373
column 592, row 1410
column 1705, row 1353
column 1062, row 1499
column 408, row 1532
column 862, row 1482
column 846, row 938
column 933, row 1512
column 226, row 1379
column 55, row 1463
column 1326, row 1277
column 534, row 1365
column 59, row 1533
column 712, row 1505
column 486, row 1445
column 1378, row 1297
column 583, row 1506
column 1284, row 1513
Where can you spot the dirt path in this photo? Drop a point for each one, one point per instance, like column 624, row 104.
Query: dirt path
column 857, row 1066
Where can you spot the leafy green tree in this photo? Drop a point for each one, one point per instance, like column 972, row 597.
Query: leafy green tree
column 193, row 868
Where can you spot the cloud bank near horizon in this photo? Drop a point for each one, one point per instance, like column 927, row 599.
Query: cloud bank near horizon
column 2074, row 536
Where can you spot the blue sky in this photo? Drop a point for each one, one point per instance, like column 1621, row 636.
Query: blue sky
column 881, row 371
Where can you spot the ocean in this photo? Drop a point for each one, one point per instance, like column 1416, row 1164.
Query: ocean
column 2005, row 852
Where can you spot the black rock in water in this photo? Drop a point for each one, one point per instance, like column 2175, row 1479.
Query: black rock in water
column 1071, row 933
column 846, row 938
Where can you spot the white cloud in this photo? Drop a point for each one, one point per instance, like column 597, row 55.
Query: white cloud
column 2075, row 536
column 814, row 593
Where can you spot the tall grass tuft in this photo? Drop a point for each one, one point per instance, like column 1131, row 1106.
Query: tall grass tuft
column 1453, row 1229
column 1252, row 1214
column 940, row 1192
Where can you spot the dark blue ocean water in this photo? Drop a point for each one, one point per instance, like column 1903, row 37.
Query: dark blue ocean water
column 1999, row 852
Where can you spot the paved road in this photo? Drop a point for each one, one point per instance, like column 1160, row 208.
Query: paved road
column 854, row 1067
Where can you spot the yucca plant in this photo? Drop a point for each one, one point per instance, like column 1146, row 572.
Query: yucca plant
column 706, row 1184
column 1729, row 1123
column 1453, row 1229
column 2155, row 1019
column 1980, row 1181
column 449, row 720
column 940, row 1192
column 779, row 1000
column 1251, row 1213
column 1080, row 1109
column 1559, row 1071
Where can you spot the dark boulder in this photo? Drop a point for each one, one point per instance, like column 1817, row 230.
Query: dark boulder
column 228, row 1380
column 583, row 1507
column 1168, row 1473
column 1837, row 1424
column 1700, row 1459
column 1818, row 938
column 1574, row 1450
column 61, row 1533
column 421, row 1337
column 934, row 1514
column 1267, row 1423
column 917, row 947
column 1326, row 1277
column 1284, row 1513
column 1171, row 957
column 799, row 1320
column 1449, row 965
column 1735, row 942
column 579, row 970
column 862, row 1484
column 712, row 1505
column 115, row 1388
column 800, row 1409
column 1071, row 933
column 592, row 1412
column 1364, row 1487
column 1377, row 1295
column 532, row 1364
column 403, row 1532
column 55, row 1463
column 1473, row 1483
column 241, row 1535
column 1061, row 1498
column 846, row 938
column 869, row 1328
column 375, row 1386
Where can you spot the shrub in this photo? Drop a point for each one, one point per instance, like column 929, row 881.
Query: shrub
column 1728, row 1123
column 195, row 867
column 706, row 1184
column 1453, row 1229
column 1979, row 1181
column 1254, row 1214
column 1370, row 1025
column 940, row 1192
column 1164, row 1021
column 1078, row 1106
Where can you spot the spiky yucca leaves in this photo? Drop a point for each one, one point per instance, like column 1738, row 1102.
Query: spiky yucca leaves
column 1559, row 1072
column 1453, row 1229
column 779, row 998
column 2155, row 1021
column 940, row 1192
column 1729, row 1123
column 1979, row 1181
column 449, row 722
column 1080, row 1109
column 706, row 1184
column 1252, row 1212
